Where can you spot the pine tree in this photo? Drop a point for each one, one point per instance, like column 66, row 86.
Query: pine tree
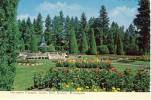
column 142, row 22
column 68, row 28
column 48, row 30
column 8, row 43
column 115, row 31
column 21, row 45
column 119, row 48
column 58, row 29
column 110, row 41
column 34, row 44
column 29, row 32
column 38, row 27
column 104, row 23
column 84, row 44
column 130, row 40
column 73, row 47
column 93, row 49
column 83, row 23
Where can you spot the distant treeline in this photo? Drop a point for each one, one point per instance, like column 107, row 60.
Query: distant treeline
column 93, row 36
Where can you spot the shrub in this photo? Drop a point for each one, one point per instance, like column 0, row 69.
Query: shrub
column 108, row 80
column 103, row 49
column 43, row 49
column 141, row 81
column 51, row 48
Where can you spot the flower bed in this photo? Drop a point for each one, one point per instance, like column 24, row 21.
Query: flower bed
column 96, row 80
column 83, row 65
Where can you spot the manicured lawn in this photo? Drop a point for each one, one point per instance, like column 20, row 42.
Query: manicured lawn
column 24, row 74
column 133, row 65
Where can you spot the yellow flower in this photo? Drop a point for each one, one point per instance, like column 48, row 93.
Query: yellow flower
column 113, row 88
column 79, row 89
column 95, row 90
column 66, row 85
column 118, row 89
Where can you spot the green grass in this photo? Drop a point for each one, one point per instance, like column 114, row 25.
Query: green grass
column 24, row 74
column 133, row 65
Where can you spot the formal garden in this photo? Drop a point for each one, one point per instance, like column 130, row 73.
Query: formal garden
column 80, row 53
column 86, row 74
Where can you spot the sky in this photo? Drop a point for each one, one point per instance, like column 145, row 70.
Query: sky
column 121, row 11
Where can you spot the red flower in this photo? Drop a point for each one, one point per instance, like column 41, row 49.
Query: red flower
column 113, row 69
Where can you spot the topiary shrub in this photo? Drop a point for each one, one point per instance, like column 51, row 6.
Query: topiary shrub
column 103, row 49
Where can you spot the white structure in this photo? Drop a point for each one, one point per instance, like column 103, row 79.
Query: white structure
column 42, row 56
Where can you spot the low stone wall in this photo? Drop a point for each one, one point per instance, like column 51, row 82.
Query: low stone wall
column 42, row 56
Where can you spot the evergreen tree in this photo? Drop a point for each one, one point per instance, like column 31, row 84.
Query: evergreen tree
column 58, row 28
column 29, row 32
column 68, row 28
column 142, row 22
column 93, row 49
column 115, row 31
column 104, row 23
column 8, row 43
column 23, row 30
column 73, row 47
column 48, row 30
column 83, row 23
column 76, row 26
column 130, row 41
column 110, row 41
column 84, row 44
column 21, row 41
column 34, row 44
column 119, row 48
column 38, row 27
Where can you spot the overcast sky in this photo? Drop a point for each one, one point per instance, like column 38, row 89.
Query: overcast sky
column 121, row 11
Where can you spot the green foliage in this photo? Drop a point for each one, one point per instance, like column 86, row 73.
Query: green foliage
column 119, row 49
column 104, row 23
column 100, row 65
column 42, row 49
column 106, row 80
column 34, row 43
column 141, row 81
column 57, row 32
column 110, row 40
column 73, row 47
column 8, row 43
column 103, row 49
column 51, row 48
column 48, row 30
column 142, row 22
column 93, row 49
column 130, row 41
column 83, row 22
column 84, row 44
column 39, row 25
